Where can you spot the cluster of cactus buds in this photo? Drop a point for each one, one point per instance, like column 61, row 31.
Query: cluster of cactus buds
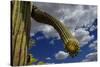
column 72, row 47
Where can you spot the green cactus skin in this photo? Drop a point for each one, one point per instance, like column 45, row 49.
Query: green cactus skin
column 20, row 23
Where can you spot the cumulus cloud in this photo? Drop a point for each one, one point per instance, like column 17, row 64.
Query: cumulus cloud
column 32, row 34
column 90, row 57
column 52, row 42
column 83, row 36
column 61, row 55
column 48, row 30
column 40, row 37
column 77, row 15
column 71, row 15
column 93, row 45
column 48, row 58
column 92, row 28
column 86, row 39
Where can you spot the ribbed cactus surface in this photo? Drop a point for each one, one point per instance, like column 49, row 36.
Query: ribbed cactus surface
column 71, row 44
column 20, row 22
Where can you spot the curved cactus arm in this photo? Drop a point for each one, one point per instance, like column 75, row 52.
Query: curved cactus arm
column 71, row 44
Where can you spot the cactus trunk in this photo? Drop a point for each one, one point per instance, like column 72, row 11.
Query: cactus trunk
column 20, row 23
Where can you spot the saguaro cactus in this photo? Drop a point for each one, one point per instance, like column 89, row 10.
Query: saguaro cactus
column 20, row 23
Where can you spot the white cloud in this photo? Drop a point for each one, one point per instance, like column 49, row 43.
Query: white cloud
column 46, row 28
column 40, row 37
column 52, row 42
column 32, row 34
column 72, row 16
column 90, row 57
column 92, row 28
column 48, row 58
column 79, row 16
column 86, row 39
column 83, row 36
column 61, row 55
column 93, row 45
column 80, row 33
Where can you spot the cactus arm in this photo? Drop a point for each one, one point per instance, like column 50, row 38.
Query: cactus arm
column 71, row 44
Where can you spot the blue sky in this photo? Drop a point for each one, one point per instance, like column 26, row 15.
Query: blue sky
column 80, row 19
